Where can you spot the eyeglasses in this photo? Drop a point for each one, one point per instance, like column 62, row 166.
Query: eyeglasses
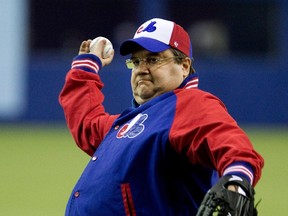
column 149, row 61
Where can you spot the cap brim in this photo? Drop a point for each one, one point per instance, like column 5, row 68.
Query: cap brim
column 149, row 44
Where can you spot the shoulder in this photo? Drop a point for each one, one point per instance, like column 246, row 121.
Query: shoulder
column 197, row 98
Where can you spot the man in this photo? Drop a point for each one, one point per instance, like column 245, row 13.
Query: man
column 162, row 155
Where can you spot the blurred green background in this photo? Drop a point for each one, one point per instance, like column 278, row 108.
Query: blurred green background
column 40, row 165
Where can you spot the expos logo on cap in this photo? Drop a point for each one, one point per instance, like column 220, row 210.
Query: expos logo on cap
column 157, row 35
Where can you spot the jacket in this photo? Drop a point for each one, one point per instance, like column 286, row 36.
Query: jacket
column 159, row 158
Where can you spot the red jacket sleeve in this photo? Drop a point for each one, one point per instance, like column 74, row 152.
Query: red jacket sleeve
column 81, row 99
column 208, row 135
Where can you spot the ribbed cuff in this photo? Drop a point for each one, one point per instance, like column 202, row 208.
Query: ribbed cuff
column 240, row 169
column 87, row 62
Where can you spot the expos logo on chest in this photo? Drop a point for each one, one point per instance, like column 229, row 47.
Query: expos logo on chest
column 133, row 128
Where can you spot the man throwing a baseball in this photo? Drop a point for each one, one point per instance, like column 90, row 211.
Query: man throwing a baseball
column 175, row 151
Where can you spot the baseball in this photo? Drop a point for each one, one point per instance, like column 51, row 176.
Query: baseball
column 107, row 51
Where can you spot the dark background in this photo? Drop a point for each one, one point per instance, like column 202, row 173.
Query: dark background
column 245, row 65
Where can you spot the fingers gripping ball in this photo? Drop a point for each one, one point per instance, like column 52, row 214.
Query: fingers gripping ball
column 223, row 202
column 107, row 51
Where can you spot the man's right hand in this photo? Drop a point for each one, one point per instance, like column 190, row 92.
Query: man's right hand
column 85, row 49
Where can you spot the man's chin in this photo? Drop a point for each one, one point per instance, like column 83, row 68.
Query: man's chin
column 143, row 97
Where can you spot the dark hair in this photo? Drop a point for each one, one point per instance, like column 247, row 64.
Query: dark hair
column 179, row 60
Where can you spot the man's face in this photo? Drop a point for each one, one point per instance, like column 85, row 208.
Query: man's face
column 149, row 81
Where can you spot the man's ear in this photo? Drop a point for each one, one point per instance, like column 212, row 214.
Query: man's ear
column 186, row 64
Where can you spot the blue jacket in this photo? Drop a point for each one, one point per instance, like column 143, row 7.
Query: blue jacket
column 159, row 158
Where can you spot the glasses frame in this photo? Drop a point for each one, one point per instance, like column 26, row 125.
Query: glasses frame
column 149, row 61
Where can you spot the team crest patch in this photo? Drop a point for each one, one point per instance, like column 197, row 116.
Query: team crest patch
column 150, row 28
column 133, row 128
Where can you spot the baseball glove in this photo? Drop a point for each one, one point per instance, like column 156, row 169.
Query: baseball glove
column 223, row 202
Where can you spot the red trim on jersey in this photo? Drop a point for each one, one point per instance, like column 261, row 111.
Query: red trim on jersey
column 192, row 83
column 128, row 200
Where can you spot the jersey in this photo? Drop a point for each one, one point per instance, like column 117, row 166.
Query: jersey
column 159, row 158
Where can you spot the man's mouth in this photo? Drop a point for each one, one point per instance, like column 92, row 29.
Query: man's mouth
column 142, row 81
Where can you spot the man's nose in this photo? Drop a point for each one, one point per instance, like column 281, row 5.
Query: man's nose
column 142, row 68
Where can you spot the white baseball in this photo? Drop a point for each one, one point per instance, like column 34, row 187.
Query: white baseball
column 107, row 51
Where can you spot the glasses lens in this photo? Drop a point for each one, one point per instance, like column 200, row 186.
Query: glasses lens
column 129, row 64
column 153, row 60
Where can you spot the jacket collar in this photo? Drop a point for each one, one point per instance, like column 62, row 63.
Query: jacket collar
column 189, row 82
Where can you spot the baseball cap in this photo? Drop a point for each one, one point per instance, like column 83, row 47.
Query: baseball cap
column 157, row 35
